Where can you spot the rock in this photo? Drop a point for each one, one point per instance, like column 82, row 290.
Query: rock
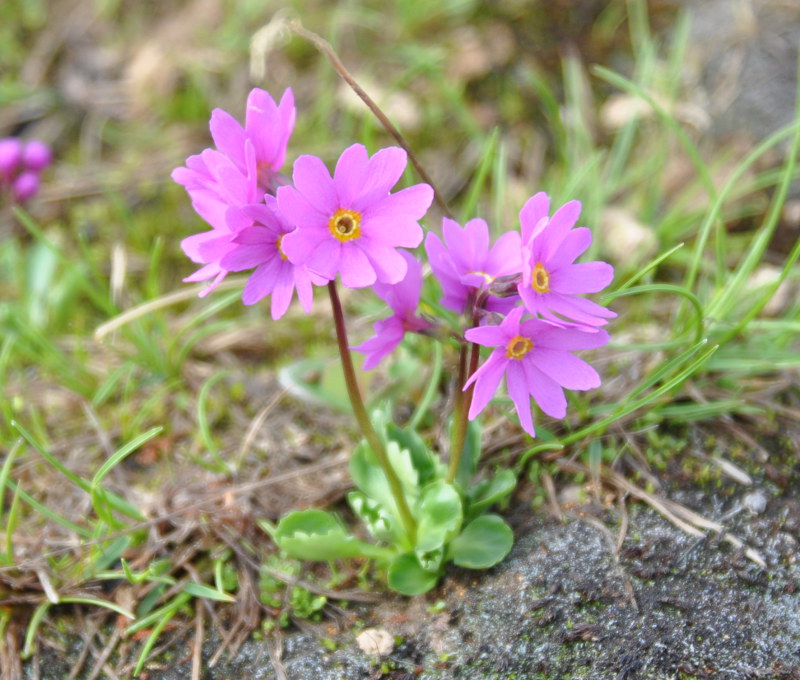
column 375, row 642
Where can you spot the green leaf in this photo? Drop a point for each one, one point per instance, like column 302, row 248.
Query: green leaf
column 369, row 478
column 425, row 462
column 439, row 515
column 406, row 576
column 490, row 491
column 483, row 543
column 207, row 592
column 378, row 521
column 471, row 453
column 317, row 535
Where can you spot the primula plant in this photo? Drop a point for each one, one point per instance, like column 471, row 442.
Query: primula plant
column 518, row 313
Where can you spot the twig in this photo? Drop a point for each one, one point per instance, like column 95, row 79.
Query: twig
column 235, row 490
column 275, row 648
column 88, row 636
column 681, row 516
column 325, row 47
column 550, row 489
column 256, row 423
column 198, row 645
column 623, row 524
column 101, row 663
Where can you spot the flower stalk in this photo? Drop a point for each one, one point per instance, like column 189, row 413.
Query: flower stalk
column 360, row 412
column 461, row 410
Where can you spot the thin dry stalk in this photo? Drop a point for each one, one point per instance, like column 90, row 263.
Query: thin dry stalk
column 550, row 489
column 325, row 47
column 101, row 663
column 275, row 649
column 198, row 645
column 89, row 631
column 682, row 517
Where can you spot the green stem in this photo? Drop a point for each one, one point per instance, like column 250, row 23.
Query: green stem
column 461, row 409
column 374, row 441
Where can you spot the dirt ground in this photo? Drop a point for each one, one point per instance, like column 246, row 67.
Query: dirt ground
column 604, row 592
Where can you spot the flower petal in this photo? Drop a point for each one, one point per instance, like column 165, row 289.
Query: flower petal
column 575, row 243
column 260, row 284
column 558, row 227
column 409, row 203
column 325, row 260
column 579, row 309
column 312, row 179
column 585, row 277
column 566, row 369
column 518, row 391
column 488, row 336
column 355, row 268
column 487, row 379
column 546, row 392
column 350, row 175
column 228, row 135
column 283, row 291
column 389, row 265
column 534, row 215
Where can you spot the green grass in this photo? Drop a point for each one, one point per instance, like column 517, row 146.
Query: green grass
column 95, row 428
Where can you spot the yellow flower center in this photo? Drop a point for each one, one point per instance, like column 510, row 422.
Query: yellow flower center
column 540, row 280
column 278, row 246
column 518, row 347
column 345, row 225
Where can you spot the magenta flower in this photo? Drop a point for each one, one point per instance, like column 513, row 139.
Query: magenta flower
column 11, row 150
column 267, row 126
column 465, row 264
column 551, row 281
column 402, row 298
column 259, row 230
column 350, row 224
column 215, row 185
column 36, row 155
column 535, row 357
column 25, row 186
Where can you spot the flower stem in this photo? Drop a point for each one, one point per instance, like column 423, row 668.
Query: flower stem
column 461, row 409
column 374, row 441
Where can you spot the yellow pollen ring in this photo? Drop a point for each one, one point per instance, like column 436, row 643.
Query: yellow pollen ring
column 345, row 225
column 278, row 246
column 518, row 347
column 487, row 277
column 540, row 279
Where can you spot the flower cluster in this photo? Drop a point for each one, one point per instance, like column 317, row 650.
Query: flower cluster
column 534, row 274
column 21, row 163
column 300, row 233
column 522, row 295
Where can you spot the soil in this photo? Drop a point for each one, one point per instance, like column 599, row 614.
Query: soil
column 567, row 603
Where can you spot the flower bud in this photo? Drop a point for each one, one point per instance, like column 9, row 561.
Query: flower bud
column 36, row 155
column 504, row 286
column 10, row 157
column 25, row 186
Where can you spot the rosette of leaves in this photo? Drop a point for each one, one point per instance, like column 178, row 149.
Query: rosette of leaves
column 452, row 519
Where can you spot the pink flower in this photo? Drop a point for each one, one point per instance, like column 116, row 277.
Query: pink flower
column 36, row 155
column 464, row 263
column 350, row 224
column 215, row 185
column 237, row 173
column 267, row 126
column 259, row 230
column 551, row 281
column 403, row 299
column 11, row 150
column 535, row 357
column 25, row 186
